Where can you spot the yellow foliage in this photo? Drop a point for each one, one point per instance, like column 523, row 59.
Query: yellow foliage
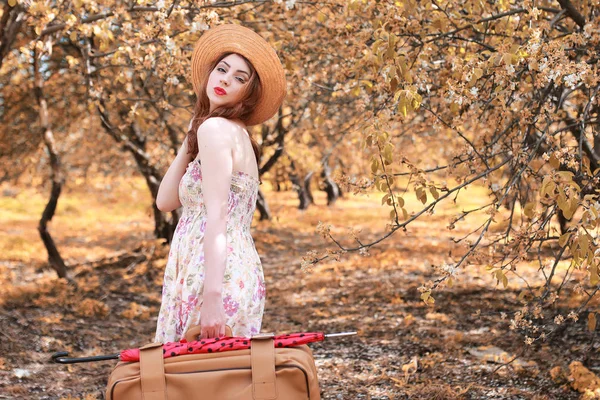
column 529, row 210
column 410, row 368
column 591, row 325
column 557, row 374
column 427, row 298
column 408, row 320
column 421, row 193
column 91, row 308
column 136, row 311
column 582, row 379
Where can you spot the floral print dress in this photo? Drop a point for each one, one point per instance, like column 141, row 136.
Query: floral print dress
column 243, row 280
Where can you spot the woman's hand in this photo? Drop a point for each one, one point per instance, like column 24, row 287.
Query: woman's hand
column 212, row 317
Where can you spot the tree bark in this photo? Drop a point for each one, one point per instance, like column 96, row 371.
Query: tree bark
column 263, row 207
column 275, row 156
column 56, row 176
column 307, row 190
column 562, row 221
column 331, row 188
column 261, row 202
column 163, row 227
column 573, row 13
column 588, row 149
column 135, row 143
column 305, row 198
column 10, row 24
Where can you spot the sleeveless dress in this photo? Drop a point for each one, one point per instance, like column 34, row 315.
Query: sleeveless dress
column 243, row 280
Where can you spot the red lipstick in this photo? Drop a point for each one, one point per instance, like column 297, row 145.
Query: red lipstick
column 220, row 91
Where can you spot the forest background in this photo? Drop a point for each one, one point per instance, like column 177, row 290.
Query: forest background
column 430, row 181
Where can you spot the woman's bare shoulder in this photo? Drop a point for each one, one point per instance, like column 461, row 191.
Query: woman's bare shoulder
column 218, row 128
column 221, row 123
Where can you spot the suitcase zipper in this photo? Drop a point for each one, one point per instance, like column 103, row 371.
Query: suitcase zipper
column 226, row 369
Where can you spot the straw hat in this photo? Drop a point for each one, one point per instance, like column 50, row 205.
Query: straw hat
column 237, row 39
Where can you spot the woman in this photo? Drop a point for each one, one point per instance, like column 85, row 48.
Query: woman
column 214, row 276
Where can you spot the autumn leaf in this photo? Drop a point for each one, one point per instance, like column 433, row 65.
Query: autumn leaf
column 591, row 324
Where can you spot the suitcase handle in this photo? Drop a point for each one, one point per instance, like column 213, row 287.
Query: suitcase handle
column 192, row 334
column 262, row 359
column 152, row 372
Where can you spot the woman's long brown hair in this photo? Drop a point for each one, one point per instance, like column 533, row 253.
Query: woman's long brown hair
column 241, row 110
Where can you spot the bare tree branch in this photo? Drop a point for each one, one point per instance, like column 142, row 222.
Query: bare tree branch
column 573, row 13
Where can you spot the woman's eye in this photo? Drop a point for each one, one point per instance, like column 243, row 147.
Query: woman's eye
column 241, row 80
column 221, row 69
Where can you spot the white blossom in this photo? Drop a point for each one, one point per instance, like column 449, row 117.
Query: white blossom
column 95, row 93
column 170, row 43
column 198, row 26
column 570, row 80
column 552, row 76
column 573, row 315
column 172, row 80
column 533, row 47
column 450, row 269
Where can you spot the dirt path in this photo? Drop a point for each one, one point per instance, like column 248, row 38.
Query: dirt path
column 404, row 349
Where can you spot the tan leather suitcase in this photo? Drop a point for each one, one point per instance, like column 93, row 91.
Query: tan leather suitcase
column 261, row 373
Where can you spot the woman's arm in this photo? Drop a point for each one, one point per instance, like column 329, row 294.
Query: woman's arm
column 215, row 144
column 167, row 198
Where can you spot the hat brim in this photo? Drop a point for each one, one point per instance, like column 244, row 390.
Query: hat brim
column 233, row 38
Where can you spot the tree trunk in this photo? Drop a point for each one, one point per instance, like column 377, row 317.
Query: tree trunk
column 10, row 24
column 135, row 143
column 305, row 198
column 572, row 12
column 54, row 258
column 340, row 191
column 263, row 207
column 562, row 221
column 307, row 190
column 331, row 188
column 596, row 132
column 163, row 228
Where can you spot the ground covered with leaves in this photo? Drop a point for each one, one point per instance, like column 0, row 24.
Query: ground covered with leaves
column 459, row 348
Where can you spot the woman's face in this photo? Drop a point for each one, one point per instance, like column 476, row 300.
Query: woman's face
column 227, row 82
